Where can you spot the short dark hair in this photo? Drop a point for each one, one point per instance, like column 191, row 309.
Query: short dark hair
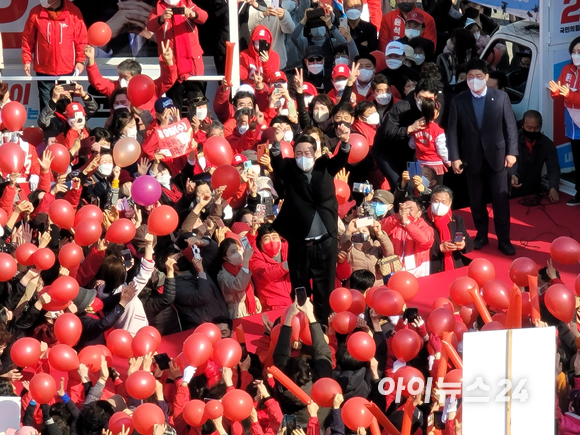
column 118, row 91
column 101, row 133
column 223, row 319
column 543, row 275
column 415, row 200
column 574, row 42
column 476, row 63
column 305, row 138
column 225, row 245
column 6, row 388
column 121, row 118
column 362, row 107
column 342, row 107
column 428, row 85
column 380, row 79
column 265, row 229
column 368, row 57
column 442, row 189
column 501, row 78
column 162, row 258
column 430, row 70
column 280, row 119
column 243, row 94
column 533, row 114
column 362, row 280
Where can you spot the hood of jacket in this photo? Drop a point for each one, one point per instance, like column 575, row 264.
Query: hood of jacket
column 260, row 32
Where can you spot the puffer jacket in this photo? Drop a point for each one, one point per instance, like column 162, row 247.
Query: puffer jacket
column 56, row 39
column 250, row 61
column 271, row 279
column 364, row 256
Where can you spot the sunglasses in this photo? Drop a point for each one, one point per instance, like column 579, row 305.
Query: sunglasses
column 316, row 59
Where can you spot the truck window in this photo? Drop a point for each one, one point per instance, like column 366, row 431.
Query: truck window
column 510, row 64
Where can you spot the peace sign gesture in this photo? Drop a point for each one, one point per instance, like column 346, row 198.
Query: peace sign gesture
column 167, row 52
column 299, row 80
column 354, row 73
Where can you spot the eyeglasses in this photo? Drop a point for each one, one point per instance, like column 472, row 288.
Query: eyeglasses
column 316, row 59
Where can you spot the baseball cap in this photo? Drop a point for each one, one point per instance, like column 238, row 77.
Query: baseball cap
column 383, row 196
column 309, row 89
column 277, row 76
column 163, row 103
column 313, row 51
column 416, row 16
column 409, row 52
column 395, row 47
column 239, row 159
column 469, row 22
column 73, row 108
column 245, row 88
column 340, row 71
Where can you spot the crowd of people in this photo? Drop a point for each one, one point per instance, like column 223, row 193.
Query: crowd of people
column 320, row 83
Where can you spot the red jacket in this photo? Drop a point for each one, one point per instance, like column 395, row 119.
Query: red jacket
column 393, row 28
column 151, row 145
column 570, row 76
column 271, row 280
column 250, row 61
column 187, row 52
column 368, row 131
column 58, row 42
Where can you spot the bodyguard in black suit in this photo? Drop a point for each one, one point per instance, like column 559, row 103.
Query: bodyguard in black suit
column 309, row 218
column 482, row 139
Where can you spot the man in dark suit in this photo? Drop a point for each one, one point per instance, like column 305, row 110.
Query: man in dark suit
column 309, row 218
column 482, row 138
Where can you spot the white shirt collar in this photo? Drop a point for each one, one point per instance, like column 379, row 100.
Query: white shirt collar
column 482, row 95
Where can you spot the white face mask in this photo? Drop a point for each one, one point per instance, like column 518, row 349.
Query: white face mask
column 78, row 121
column 476, row 85
column 172, row 2
column 123, row 82
column 120, row 106
column 419, row 59
column 308, row 100
column 439, row 209
column 305, row 163
column 373, row 119
column 164, row 180
column 46, row 3
column 315, row 68
column 383, row 99
column 243, row 128
column 341, row 61
column 288, row 135
column 419, row 103
column 476, row 35
column 201, row 113
column 412, row 33
column 366, row 75
column 576, row 59
column 235, row 259
column 353, row 14
column 339, row 85
column 320, row 117
column 131, row 132
column 106, row 169
column 394, row 63
column 289, row 5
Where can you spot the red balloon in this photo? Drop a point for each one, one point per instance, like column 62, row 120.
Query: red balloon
column 213, row 409
column 147, row 415
column 8, row 267
column 140, row 385
column 3, row 217
column 42, row 388
column 496, row 294
column 25, row 352
column 87, row 232
column 226, row 175
column 344, row 322
column 107, row 353
column 388, row 302
column 44, row 259
column 577, row 285
column 227, row 352
column 70, row 255
column 324, row 390
column 11, row 157
column 560, row 302
column 237, row 405
column 305, row 336
column 359, row 148
column 459, row 329
column 565, row 250
column 197, row 349
column 358, row 304
column 119, row 420
column 287, row 150
column 481, row 270
column 88, row 212
column 13, row 115
column 193, row 413
column 459, row 290
column 64, row 289
column 494, row 325
column 143, row 344
column 340, row 299
column 369, row 295
column 33, row 135
column 406, row 344
column 140, row 90
column 412, row 378
column 121, row 231
column 162, row 221
column 442, row 303
column 355, row 414
column 521, row 268
column 218, row 151
column 153, row 331
column 468, row 314
column 342, row 191
column 405, row 283
column 454, row 376
column 68, row 329
column 211, row 331
column 63, row 358
column 25, row 254
column 440, row 321
column 119, row 343
column 99, row 34
column 295, row 325
column 499, row 317
column 361, row 346
column 91, row 357
column 61, row 158
column 53, row 305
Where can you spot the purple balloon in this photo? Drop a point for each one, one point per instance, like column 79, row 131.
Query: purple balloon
column 146, row 190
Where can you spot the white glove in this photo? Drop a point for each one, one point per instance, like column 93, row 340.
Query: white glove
column 188, row 373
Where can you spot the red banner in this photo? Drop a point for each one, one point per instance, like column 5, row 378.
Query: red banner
column 176, row 139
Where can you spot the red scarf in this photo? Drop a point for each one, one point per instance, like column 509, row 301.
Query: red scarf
column 173, row 195
column 250, row 299
column 442, row 225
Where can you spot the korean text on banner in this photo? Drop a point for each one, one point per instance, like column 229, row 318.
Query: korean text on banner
column 175, row 140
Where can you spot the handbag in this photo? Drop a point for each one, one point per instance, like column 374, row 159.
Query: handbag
column 390, row 264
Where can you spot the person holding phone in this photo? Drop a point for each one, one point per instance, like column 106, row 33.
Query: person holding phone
column 259, row 58
column 451, row 240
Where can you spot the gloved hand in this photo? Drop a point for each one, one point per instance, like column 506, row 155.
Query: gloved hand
column 188, row 373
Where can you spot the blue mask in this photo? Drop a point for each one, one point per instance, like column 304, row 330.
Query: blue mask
column 318, row 32
column 380, row 208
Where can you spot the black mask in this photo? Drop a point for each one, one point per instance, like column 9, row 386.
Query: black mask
column 360, row 238
column 471, row 13
column 406, row 7
column 531, row 135
column 61, row 104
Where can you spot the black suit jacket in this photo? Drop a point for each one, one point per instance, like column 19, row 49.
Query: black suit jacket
column 497, row 138
column 456, row 225
column 304, row 199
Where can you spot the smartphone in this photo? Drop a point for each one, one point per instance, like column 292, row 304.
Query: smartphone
column 364, row 222
column 126, row 254
column 365, row 188
column 162, row 360
column 411, row 314
column 220, row 223
column 69, row 87
column 346, row 246
column 263, row 45
column 291, row 108
column 247, row 166
column 411, row 169
column 178, row 10
column 290, row 421
column 245, row 243
column 260, row 212
column 196, row 252
column 261, row 150
column 301, row 295
column 343, row 22
column 278, row 85
column 458, row 237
